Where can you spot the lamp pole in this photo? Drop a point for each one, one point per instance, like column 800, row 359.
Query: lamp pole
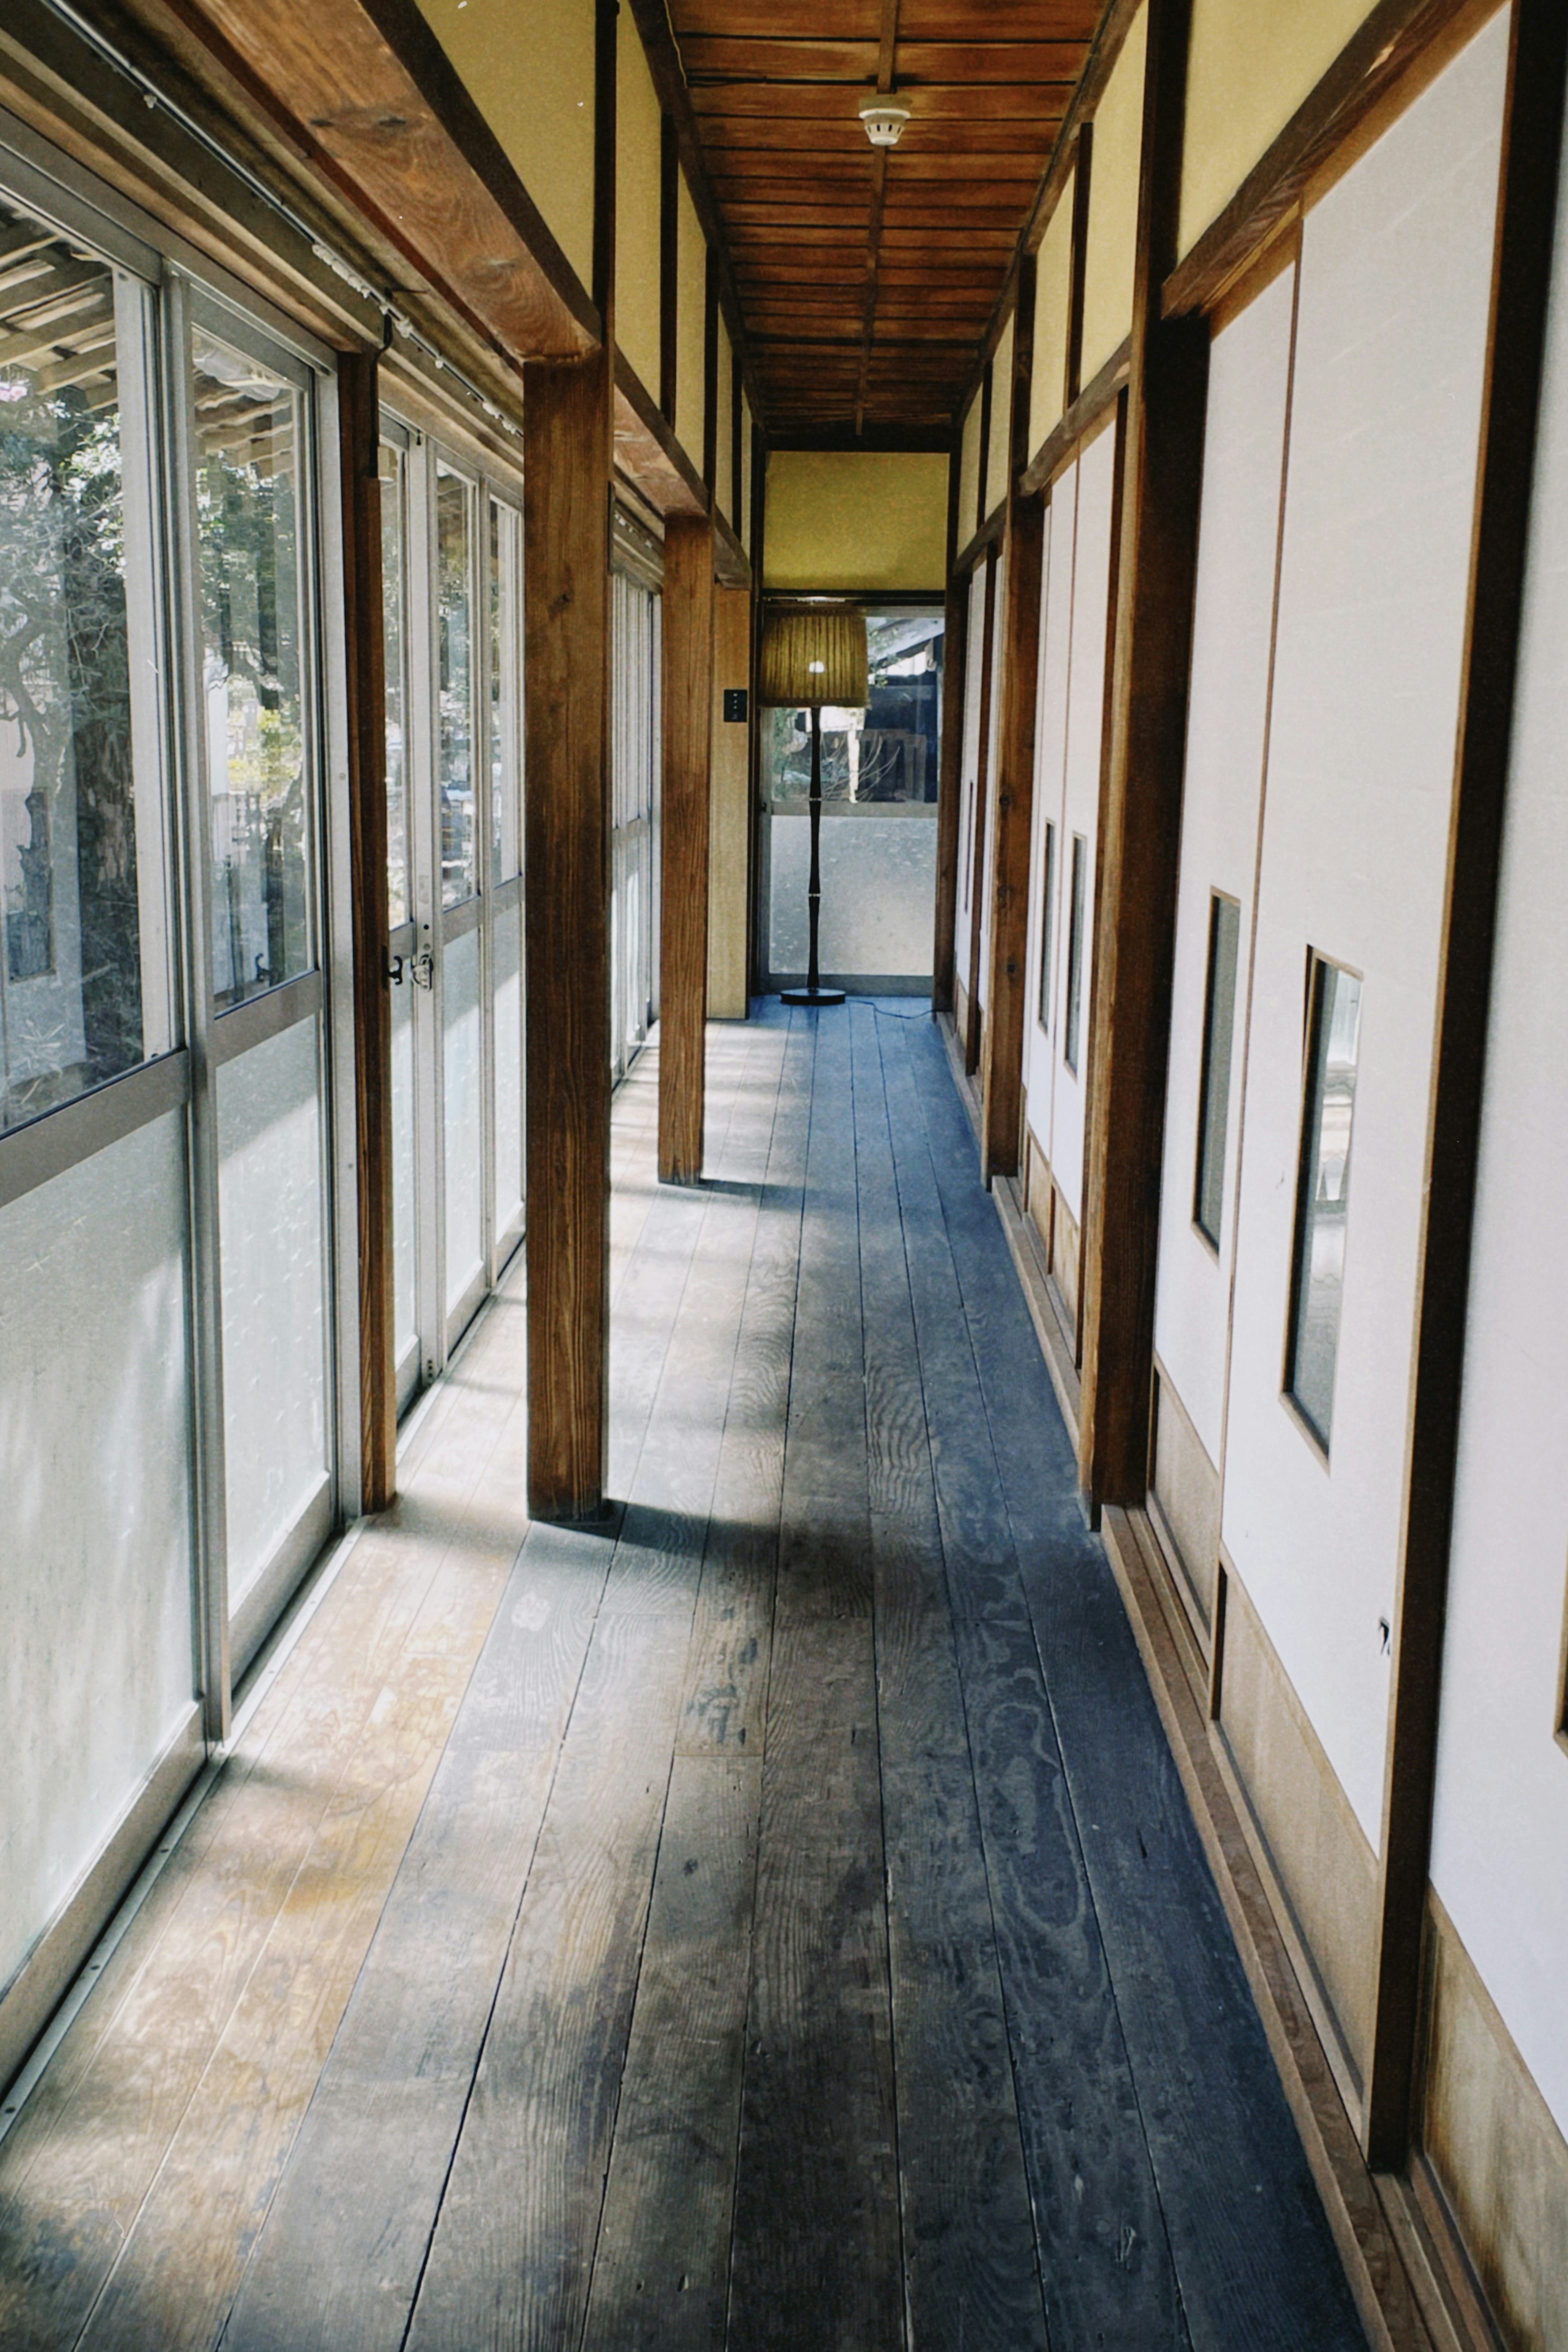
column 814, row 992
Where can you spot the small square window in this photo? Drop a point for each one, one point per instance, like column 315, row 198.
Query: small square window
column 1214, row 1088
column 1047, row 926
column 1075, row 953
column 1322, row 1193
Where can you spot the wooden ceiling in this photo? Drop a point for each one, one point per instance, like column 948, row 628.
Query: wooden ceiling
column 868, row 275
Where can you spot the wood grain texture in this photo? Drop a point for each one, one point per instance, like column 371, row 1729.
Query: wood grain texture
column 566, row 929
column 686, row 787
column 360, row 427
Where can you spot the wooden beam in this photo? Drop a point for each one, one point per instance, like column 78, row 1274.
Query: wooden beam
column 1521, row 279
column 648, row 452
column 359, row 427
column 1060, row 443
column 1134, row 936
column 364, row 90
column 982, row 781
column 949, row 779
column 567, row 415
column 687, row 639
column 1001, row 1067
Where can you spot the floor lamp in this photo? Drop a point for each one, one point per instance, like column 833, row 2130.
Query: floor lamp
column 811, row 654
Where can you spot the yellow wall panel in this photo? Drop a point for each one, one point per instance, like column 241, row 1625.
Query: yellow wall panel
column 743, row 520
column 1251, row 64
column 1001, row 418
column 535, row 90
column 638, row 145
column 691, row 327
column 723, row 444
column 843, row 519
column 1052, row 299
column 969, row 474
column 1114, row 204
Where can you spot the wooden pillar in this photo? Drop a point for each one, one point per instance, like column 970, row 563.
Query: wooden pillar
column 1002, row 1073
column 980, row 814
column 1521, row 276
column 1140, row 835
column 950, row 773
column 568, row 427
column 688, row 632
column 359, row 422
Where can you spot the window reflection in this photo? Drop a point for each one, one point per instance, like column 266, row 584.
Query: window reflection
column 455, row 631
column 1214, row 1095
column 889, row 752
column 506, row 695
column 83, row 969
column 249, row 444
column 1333, row 1038
column 394, row 626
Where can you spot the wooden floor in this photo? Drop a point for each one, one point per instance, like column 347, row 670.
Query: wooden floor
column 771, row 1921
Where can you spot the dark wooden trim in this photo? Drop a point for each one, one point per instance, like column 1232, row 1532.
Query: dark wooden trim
column 445, row 193
column 648, row 452
column 710, row 372
column 359, row 428
column 989, row 533
column 757, row 963
column 1521, row 278
column 954, row 670
column 972, row 1037
column 982, row 446
column 605, row 149
column 687, row 701
column 929, row 440
column 668, row 266
column 1140, row 832
column 1060, row 443
column 737, row 445
column 1023, row 547
column 731, row 567
column 1367, row 70
column 1083, row 175
column 567, row 416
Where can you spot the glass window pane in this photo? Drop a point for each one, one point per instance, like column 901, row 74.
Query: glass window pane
column 1048, row 925
column 455, row 627
column 891, row 750
column 1075, row 952
column 250, row 455
column 84, row 985
column 1322, row 1193
column 463, row 1110
column 394, row 609
column 506, row 696
column 1214, row 1095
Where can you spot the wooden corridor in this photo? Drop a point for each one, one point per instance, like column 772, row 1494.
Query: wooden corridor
column 716, row 1928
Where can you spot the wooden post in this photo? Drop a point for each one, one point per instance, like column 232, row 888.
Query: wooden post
column 683, row 905
column 1522, row 277
column 1002, row 1073
column 950, row 774
column 568, row 427
column 358, row 421
column 980, row 814
column 1135, row 926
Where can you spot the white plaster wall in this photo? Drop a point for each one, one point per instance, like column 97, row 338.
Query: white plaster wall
column 972, row 671
column 1396, row 274
column 1227, row 727
column 1500, row 1859
column 1080, row 793
column 1050, row 760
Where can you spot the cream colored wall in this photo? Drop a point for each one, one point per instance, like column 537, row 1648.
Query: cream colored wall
column 867, row 521
column 691, row 325
column 537, row 95
column 969, row 474
column 724, row 441
column 1001, row 418
column 1053, row 301
column 1114, row 204
column 1251, row 66
column 743, row 520
column 637, row 146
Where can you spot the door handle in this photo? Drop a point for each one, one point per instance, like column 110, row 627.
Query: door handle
column 422, row 970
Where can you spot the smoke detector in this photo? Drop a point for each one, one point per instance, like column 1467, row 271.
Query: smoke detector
column 884, row 118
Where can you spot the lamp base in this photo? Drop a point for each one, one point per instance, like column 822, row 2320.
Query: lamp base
column 811, row 996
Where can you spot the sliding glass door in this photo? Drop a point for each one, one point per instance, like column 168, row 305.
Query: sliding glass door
column 635, row 732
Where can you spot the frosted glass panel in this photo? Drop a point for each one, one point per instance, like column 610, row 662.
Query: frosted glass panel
column 95, row 1668
column 465, row 1164
column 879, row 895
column 273, row 1227
column 507, row 965
column 404, row 1309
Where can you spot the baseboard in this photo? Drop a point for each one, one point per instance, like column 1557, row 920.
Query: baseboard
column 965, row 1080
column 1040, row 1298
column 1369, row 2246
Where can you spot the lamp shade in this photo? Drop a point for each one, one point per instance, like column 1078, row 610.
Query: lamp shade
column 813, row 653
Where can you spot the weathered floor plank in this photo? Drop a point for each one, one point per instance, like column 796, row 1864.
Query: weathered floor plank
column 768, row 1923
